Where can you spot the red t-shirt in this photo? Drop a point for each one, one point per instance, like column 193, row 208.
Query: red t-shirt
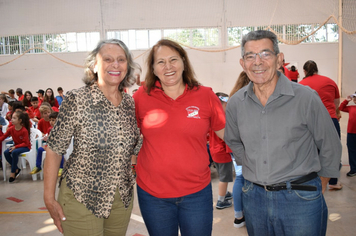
column 36, row 112
column 293, row 75
column 21, row 98
column 173, row 160
column 20, row 137
column 327, row 90
column 43, row 126
column 351, row 125
column 218, row 149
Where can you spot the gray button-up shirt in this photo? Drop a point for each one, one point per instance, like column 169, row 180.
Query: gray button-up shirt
column 280, row 141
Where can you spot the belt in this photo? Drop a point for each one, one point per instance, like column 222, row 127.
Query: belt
column 294, row 185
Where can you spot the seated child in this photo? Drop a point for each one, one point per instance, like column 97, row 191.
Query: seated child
column 9, row 113
column 20, row 133
column 38, row 168
column 43, row 123
column 35, row 109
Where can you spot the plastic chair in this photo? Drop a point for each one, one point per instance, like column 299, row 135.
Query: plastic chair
column 4, row 163
column 36, row 135
column 4, row 127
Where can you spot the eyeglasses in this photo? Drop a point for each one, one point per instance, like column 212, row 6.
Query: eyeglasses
column 264, row 55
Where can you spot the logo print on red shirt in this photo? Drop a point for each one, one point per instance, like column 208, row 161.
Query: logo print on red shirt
column 193, row 112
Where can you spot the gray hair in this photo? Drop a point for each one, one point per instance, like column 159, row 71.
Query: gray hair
column 90, row 77
column 258, row 35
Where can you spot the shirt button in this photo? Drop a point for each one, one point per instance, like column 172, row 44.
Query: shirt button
column 264, row 162
column 263, row 112
column 264, row 137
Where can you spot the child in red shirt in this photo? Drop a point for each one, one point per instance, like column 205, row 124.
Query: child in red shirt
column 20, row 135
column 223, row 162
column 35, row 109
column 43, row 124
column 351, row 132
column 38, row 167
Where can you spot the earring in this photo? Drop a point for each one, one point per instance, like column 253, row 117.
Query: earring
column 95, row 70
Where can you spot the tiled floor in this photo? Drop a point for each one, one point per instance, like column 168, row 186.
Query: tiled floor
column 22, row 209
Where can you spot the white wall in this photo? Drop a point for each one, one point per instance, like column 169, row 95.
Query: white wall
column 218, row 70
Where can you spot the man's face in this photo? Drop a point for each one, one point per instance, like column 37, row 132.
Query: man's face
column 261, row 71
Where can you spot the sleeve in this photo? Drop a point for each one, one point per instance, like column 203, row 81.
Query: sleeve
column 217, row 121
column 4, row 136
column 56, row 104
column 63, row 130
column 325, row 137
column 232, row 134
column 30, row 114
column 343, row 106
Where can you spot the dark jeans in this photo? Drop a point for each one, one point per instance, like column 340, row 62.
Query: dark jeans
column 192, row 214
column 13, row 157
column 351, row 148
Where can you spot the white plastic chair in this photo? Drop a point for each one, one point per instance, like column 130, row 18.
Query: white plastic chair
column 36, row 135
column 3, row 156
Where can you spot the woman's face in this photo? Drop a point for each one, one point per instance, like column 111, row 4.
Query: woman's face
column 49, row 93
column 111, row 65
column 28, row 96
column 168, row 66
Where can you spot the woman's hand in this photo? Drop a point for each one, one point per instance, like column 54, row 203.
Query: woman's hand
column 56, row 212
column 11, row 148
column 349, row 98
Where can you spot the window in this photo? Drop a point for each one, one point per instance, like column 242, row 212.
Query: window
column 68, row 42
column 292, row 33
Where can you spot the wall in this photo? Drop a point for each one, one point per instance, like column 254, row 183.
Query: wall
column 217, row 70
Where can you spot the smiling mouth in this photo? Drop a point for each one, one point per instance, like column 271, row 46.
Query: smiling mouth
column 171, row 73
column 114, row 73
column 258, row 71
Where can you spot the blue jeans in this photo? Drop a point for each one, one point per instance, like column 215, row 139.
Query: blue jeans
column 285, row 212
column 192, row 214
column 351, row 148
column 13, row 157
column 40, row 151
column 237, row 190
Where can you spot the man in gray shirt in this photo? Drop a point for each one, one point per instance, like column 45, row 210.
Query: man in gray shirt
column 284, row 138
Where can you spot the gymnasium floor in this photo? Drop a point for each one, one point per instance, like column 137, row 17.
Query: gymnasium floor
column 22, row 211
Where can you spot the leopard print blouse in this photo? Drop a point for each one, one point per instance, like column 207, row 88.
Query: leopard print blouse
column 105, row 137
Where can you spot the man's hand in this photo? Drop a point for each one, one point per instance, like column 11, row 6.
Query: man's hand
column 324, row 183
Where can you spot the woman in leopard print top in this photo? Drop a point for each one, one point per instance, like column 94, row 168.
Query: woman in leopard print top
column 97, row 181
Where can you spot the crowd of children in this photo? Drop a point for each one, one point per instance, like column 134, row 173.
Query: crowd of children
column 22, row 114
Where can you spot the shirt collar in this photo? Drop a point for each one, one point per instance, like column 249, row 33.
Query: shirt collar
column 99, row 97
column 283, row 87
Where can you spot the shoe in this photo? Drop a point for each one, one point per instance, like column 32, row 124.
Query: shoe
column 335, row 187
column 351, row 174
column 17, row 173
column 35, row 170
column 11, row 179
column 225, row 204
column 228, row 195
column 238, row 223
column 60, row 172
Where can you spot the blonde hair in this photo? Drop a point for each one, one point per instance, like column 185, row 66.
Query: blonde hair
column 45, row 106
